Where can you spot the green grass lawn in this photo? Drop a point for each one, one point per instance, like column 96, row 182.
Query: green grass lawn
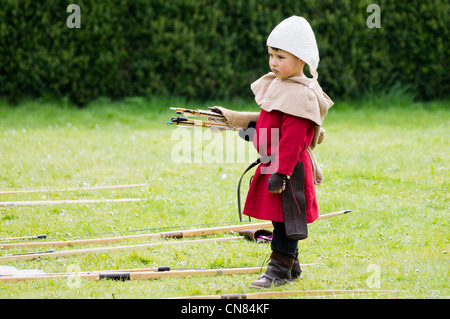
column 388, row 164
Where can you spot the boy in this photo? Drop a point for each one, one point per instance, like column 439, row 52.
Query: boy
column 292, row 111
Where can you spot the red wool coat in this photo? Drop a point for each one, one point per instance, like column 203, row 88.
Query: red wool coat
column 287, row 137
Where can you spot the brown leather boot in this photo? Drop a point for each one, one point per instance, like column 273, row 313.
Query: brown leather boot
column 278, row 271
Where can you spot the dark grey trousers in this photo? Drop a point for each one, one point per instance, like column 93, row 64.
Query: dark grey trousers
column 281, row 243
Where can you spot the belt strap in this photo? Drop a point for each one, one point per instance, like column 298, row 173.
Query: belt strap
column 262, row 159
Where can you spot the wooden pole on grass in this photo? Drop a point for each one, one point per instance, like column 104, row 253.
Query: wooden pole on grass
column 174, row 234
column 66, row 253
column 284, row 294
column 138, row 274
column 68, row 201
column 22, row 191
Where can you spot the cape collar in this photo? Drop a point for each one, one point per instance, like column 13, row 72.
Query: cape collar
column 298, row 96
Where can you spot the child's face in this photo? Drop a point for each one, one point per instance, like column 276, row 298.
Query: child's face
column 284, row 64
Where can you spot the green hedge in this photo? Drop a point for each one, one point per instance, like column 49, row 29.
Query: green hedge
column 210, row 49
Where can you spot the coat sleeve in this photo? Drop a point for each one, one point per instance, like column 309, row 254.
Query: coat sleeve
column 294, row 139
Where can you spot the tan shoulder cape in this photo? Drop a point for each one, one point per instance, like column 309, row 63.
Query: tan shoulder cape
column 294, row 96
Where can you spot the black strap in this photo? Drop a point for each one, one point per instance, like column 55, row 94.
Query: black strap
column 119, row 276
column 263, row 159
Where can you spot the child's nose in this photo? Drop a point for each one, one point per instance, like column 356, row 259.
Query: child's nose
column 273, row 62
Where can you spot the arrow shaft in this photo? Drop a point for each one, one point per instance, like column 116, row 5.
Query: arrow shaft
column 8, row 192
column 76, row 201
column 209, row 114
column 138, row 274
column 199, row 123
column 283, row 294
column 175, row 234
column 67, row 253
column 33, row 237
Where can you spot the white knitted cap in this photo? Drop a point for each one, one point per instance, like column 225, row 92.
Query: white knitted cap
column 296, row 36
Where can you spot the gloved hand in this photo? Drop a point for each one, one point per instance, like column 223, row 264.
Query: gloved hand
column 236, row 119
column 277, row 183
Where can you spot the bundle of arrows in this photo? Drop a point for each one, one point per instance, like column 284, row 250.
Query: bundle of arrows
column 213, row 118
